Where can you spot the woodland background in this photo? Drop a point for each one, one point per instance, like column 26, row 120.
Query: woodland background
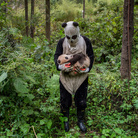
column 29, row 81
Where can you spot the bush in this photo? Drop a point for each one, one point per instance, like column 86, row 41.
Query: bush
column 29, row 82
column 66, row 11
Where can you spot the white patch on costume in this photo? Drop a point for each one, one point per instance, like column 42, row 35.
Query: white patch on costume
column 72, row 83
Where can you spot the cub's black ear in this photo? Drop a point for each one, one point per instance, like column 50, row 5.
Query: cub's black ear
column 75, row 24
column 64, row 25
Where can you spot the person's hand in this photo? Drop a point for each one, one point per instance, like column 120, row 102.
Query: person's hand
column 65, row 67
column 84, row 70
column 81, row 70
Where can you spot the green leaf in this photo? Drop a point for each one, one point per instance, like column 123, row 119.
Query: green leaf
column 9, row 133
column 29, row 60
column 25, row 128
column 53, row 83
column 31, row 79
column 1, row 101
column 26, row 100
column 44, row 109
column 27, row 112
column 103, row 136
column 42, row 122
column 110, row 27
column 41, row 135
column 114, row 23
column 3, row 4
column 3, row 76
column 115, row 30
column 19, row 86
column 113, row 135
column 49, row 124
column 30, row 96
column 118, row 130
column 106, row 132
column 135, row 101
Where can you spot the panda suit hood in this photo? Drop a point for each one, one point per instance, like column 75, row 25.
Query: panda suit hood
column 71, row 30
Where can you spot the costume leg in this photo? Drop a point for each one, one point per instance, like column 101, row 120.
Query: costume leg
column 66, row 101
column 80, row 101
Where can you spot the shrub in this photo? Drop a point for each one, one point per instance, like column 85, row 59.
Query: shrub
column 65, row 11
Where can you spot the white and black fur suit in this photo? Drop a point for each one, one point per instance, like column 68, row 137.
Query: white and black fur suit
column 65, row 46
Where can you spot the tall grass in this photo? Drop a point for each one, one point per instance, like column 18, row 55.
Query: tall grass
column 66, row 10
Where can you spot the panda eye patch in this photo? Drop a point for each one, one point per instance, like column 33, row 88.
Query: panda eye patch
column 66, row 57
column 74, row 36
column 67, row 37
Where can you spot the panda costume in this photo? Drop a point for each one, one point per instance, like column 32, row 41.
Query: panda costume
column 73, row 43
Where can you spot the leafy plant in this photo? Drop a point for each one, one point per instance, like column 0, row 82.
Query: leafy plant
column 62, row 11
column 29, row 81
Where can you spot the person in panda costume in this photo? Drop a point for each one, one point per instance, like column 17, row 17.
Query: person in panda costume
column 71, row 44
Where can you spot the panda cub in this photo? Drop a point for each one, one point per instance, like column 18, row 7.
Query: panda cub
column 76, row 61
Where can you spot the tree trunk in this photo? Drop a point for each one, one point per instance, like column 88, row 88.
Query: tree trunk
column 83, row 8
column 26, row 17
column 5, row 8
column 128, row 31
column 32, row 28
column 47, row 3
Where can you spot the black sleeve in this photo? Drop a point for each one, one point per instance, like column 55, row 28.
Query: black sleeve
column 89, row 51
column 59, row 51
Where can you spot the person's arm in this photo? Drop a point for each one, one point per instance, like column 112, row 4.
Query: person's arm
column 58, row 52
column 89, row 52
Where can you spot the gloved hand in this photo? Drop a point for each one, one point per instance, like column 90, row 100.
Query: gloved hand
column 84, row 70
column 65, row 67
column 81, row 70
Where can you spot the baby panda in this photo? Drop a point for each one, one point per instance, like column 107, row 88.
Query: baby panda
column 79, row 60
column 62, row 59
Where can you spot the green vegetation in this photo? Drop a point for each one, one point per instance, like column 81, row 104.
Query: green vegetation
column 29, row 81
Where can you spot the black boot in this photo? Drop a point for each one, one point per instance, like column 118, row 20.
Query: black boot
column 65, row 113
column 80, row 115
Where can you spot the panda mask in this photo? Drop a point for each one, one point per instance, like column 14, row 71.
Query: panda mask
column 72, row 32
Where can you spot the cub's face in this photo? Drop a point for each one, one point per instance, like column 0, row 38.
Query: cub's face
column 64, row 58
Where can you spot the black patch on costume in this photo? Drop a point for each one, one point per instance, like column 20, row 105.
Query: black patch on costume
column 75, row 24
column 64, row 25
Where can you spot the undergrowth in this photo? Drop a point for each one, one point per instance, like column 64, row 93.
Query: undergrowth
column 29, row 82
column 30, row 102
